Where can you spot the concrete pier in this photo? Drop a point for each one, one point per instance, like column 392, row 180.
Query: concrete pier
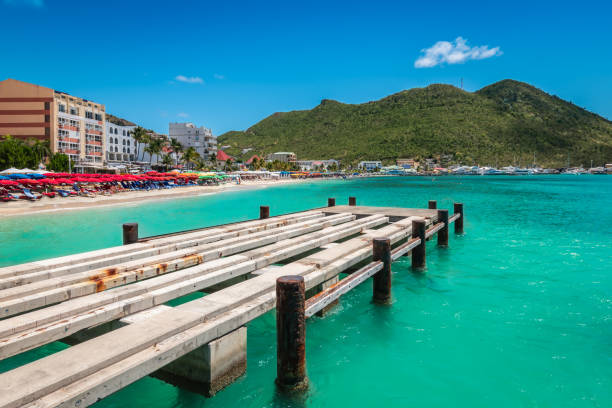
column 112, row 304
column 209, row 368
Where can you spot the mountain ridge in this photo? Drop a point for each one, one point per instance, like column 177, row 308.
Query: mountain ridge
column 505, row 122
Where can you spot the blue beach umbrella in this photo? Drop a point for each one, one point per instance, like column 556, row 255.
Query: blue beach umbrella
column 36, row 176
column 17, row 176
column 4, row 178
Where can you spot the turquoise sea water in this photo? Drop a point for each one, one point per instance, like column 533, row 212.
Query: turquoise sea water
column 515, row 313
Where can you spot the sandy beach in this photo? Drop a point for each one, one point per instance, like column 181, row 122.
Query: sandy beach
column 48, row 205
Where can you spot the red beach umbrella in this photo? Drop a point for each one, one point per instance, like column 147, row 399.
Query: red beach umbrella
column 8, row 183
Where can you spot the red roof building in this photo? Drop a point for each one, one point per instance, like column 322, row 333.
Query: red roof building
column 252, row 158
column 222, row 156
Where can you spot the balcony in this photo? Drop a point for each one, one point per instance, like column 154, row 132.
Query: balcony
column 68, row 151
column 93, row 132
column 94, row 153
column 93, row 143
column 68, row 127
column 69, row 140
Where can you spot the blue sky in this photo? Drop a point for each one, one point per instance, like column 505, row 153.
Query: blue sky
column 227, row 65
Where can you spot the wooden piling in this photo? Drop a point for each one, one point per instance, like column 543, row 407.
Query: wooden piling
column 130, row 233
column 432, row 205
column 382, row 279
column 458, row 209
column 418, row 253
column 353, row 201
column 443, row 233
column 290, row 333
column 331, row 202
column 264, row 212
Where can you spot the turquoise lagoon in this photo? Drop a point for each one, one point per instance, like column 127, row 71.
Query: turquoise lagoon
column 515, row 313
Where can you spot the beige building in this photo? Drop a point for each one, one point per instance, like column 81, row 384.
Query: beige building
column 72, row 125
column 285, row 157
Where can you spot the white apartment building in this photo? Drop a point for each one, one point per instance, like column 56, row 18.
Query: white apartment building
column 120, row 146
column 308, row 165
column 200, row 138
column 370, row 165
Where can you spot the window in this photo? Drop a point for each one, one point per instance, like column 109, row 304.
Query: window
column 61, row 107
column 128, row 149
column 116, row 149
column 123, row 132
column 74, row 111
column 128, row 142
column 89, row 115
column 98, row 116
column 123, row 142
column 116, row 141
column 116, row 131
column 124, row 150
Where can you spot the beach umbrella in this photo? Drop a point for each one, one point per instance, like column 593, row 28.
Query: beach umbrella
column 29, row 181
column 8, row 183
column 36, row 176
column 4, row 178
column 17, row 176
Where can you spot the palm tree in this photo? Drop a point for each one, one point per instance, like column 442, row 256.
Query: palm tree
column 190, row 156
column 139, row 134
column 167, row 161
column 177, row 148
column 40, row 148
column 154, row 146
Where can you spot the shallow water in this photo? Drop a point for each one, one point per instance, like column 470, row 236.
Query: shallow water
column 515, row 313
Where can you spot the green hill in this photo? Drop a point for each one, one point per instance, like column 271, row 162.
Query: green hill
column 505, row 122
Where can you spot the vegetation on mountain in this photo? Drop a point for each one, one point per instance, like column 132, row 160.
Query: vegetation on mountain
column 508, row 122
column 118, row 121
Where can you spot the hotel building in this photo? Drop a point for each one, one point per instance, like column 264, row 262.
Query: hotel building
column 120, row 145
column 72, row 125
column 188, row 135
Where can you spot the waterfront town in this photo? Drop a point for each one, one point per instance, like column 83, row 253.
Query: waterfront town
column 130, row 158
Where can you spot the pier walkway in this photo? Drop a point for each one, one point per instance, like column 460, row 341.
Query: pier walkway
column 111, row 304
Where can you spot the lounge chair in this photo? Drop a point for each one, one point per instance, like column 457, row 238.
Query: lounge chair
column 29, row 194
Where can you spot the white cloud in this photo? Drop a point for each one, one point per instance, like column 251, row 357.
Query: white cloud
column 189, row 80
column 456, row 52
column 219, row 76
column 27, row 3
column 183, row 115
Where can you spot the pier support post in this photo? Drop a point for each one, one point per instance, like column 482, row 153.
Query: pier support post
column 264, row 212
column 130, row 233
column 331, row 202
column 211, row 367
column 443, row 233
column 432, row 205
column 290, row 333
column 382, row 279
column 353, row 201
column 458, row 209
column 418, row 252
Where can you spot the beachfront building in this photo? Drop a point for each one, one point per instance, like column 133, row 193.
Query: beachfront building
column 407, row 163
column 370, row 165
column 283, row 157
column 309, row 165
column 120, row 145
column 200, row 138
column 71, row 125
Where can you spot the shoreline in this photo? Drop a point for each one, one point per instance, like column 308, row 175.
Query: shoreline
column 58, row 204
